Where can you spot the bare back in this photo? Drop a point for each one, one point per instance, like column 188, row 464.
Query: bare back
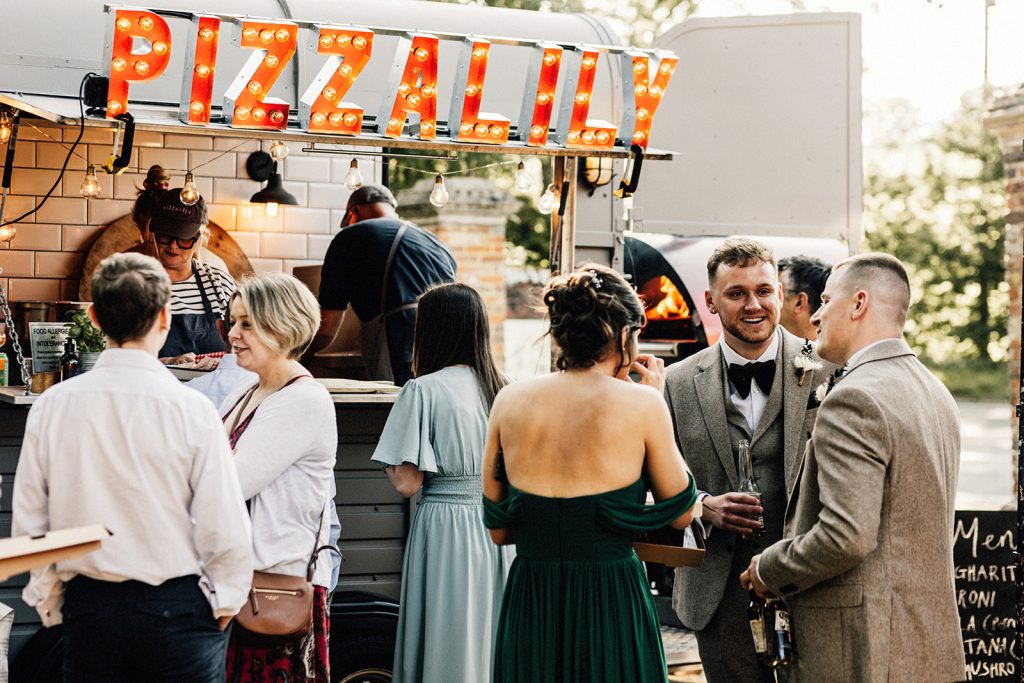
column 579, row 433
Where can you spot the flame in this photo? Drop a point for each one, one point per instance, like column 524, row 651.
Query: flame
column 665, row 300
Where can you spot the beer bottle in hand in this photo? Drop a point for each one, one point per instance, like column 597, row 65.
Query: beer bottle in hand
column 781, row 650
column 748, row 485
column 756, row 614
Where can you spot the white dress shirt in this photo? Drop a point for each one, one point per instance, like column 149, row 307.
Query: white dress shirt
column 223, row 381
column 752, row 407
column 127, row 446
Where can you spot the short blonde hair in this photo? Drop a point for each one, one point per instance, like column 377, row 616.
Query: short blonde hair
column 282, row 311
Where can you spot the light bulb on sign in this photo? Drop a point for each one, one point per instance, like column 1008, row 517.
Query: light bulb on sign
column 90, row 186
column 439, row 195
column 523, row 180
column 271, row 209
column 546, row 203
column 7, row 233
column 354, row 179
column 6, row 125
column 189, row 191
column 278, row 150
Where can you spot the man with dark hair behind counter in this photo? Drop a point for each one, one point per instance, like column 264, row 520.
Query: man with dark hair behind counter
column 379, row 265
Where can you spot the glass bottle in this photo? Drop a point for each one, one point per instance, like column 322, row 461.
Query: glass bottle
column 68, row 362
column 756, row 614
column 781, row 651
column 748, row 485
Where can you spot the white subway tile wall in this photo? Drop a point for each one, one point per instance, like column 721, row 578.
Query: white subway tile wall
column 43, row 262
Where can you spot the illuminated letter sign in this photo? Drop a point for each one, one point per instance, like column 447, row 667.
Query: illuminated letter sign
column 539, row 95
column 321, row 108
column 197, row 80
column 465, row 120
column 131, row 61
column 647, row 89
column 412, row 88
column 246, row 103
column 575, row 130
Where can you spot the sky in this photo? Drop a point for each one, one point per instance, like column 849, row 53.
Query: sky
column 929, row 53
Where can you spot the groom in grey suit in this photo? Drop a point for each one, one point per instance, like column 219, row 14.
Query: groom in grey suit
column 749, row 385
column 867, row 564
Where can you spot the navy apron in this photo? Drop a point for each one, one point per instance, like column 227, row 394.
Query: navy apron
column 193, row 332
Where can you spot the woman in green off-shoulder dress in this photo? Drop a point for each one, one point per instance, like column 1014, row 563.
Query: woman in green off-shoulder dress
column 568, row 462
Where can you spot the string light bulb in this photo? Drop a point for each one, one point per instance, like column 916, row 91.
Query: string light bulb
column 354, row 179
column 7, row 233
column 6, row 125
column 546, row 203
column 189, row 191
column 523, row 180
column 271, row 209
column 439, row 195
column 91, row 185
column 278, row 150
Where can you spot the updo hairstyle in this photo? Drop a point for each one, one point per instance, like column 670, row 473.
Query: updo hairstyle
column 588, row 309
column 156, row 183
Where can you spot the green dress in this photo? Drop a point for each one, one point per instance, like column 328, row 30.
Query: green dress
column 577, row 604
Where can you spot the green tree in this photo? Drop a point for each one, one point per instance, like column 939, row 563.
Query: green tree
column 939, row 206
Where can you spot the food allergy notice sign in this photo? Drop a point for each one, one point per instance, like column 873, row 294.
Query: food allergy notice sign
column 986, row 593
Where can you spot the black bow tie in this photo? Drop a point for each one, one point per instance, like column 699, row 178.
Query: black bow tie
column 763, row 373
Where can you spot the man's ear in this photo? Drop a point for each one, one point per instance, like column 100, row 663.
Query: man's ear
column 709, row 302
column 802, row 302
column 164, row 318
column 92, row 316
column 860, row 304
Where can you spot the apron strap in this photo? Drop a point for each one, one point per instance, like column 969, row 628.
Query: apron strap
column 210, row 315
column 387, row 267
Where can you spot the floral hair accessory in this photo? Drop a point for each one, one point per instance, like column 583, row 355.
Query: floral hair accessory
column 596, row 279
column 804, row 363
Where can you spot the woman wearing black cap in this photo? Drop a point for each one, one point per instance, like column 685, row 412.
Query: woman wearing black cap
column 199, row 291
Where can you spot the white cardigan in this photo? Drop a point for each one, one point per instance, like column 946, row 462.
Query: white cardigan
column 285, row 462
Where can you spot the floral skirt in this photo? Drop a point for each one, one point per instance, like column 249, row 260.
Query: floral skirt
column 301, row 661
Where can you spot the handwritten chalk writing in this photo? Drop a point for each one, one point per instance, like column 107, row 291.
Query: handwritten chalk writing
column 987, row 572
column 967, row 598
column 990, row 670
column 991, row 542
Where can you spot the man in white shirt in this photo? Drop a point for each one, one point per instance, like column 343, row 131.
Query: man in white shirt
column 746, row 387
column 127, row 446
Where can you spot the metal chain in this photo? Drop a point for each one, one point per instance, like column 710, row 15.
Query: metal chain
column 9, row 322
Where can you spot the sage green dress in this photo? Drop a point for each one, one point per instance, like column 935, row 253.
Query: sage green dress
column 577, row 604
column 452, row 573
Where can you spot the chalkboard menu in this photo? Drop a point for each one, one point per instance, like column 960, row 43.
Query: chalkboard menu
column 986, row 593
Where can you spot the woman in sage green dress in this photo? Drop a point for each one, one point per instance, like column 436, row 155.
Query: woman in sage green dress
column 452, row 575
column 568, row 461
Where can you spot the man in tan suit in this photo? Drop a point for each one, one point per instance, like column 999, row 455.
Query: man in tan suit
column 867, row 563
column 715, row 403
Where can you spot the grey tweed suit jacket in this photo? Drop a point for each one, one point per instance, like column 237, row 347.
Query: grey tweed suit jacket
column 867, row 562
column 696, row 394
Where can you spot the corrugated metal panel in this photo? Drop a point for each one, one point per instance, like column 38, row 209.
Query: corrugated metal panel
column 56, row 43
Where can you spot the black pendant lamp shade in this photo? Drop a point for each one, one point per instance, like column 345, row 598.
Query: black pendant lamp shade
column 261, row 167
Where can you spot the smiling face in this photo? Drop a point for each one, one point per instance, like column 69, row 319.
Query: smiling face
column 172, row 256
column 747, row 299
column 252, row 352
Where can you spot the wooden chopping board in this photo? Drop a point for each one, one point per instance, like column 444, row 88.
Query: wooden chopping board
column 123, row 234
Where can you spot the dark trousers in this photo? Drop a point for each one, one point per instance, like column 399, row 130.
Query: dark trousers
column 132, row 631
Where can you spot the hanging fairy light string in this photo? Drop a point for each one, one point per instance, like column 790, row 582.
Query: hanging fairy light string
column 439, row 195
column 353, row 179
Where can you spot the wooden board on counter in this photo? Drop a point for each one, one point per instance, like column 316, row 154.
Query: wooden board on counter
column 337, row 385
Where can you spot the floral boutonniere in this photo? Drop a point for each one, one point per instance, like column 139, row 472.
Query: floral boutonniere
column 804, row 362
column 822, row 389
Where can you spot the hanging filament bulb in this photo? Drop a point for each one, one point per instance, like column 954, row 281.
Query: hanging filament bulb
column 523, row 180
column 189, row 191
column 6, row 125
column 354, row 179
column 546, row 203
column 271, row 209
column 7, row 233
column 90, row 186
column 278, row 150
column 439, row 195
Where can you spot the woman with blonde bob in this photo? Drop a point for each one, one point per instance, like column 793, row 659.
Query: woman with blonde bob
column 284, row 435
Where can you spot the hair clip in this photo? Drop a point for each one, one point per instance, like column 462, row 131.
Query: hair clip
column 596, row 279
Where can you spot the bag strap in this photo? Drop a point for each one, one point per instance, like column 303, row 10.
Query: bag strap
column 387, row 266
column 311, row 567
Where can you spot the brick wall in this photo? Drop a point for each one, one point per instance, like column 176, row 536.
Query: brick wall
column 44, row 260
column 1006, row 119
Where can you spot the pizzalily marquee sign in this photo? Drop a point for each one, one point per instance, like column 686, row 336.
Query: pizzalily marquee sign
column 412, row 85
